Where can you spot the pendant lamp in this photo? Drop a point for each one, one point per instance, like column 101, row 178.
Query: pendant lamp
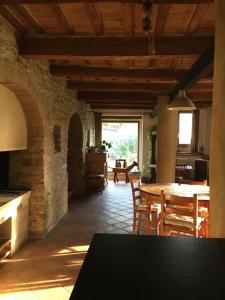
column 181, row 102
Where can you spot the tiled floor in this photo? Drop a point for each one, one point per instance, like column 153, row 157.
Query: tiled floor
column 47, row 269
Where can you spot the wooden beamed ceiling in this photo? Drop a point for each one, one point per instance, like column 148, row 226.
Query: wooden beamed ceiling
column 102, row 51
column 107, row 1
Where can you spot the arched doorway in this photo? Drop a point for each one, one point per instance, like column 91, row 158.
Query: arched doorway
column 75, row 157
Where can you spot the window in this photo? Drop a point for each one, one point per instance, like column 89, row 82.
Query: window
column 185, row 128
column 187, row 131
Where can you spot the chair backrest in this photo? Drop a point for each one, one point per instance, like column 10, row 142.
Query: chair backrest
column 196, row 182
column 121, row 163
column 180, row 206
column 135, row 184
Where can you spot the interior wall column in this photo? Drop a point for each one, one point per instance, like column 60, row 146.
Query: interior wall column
column 217, row 151
column 98, row 128
column 166, row 142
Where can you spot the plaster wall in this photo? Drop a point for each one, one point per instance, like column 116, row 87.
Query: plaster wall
column 13, row 133
column 217, row 158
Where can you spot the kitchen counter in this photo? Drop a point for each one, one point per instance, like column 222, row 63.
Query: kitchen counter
column 14, row 218
column 7, row 196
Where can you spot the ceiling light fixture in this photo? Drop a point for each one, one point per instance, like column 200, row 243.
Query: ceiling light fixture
column 147, row 24
column 181, row 102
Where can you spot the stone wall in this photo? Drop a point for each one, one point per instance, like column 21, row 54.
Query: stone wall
column 46, row 103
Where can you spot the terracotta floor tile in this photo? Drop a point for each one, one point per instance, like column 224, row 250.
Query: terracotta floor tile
column 48, row 269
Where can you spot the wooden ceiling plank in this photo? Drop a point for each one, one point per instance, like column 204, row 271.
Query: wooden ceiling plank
column 128, row 19
column 162, row 15
column 199, row 13
column 95, row 18
column 59, row 47
column 112, row 1
column 202, row 67
column 58, row 11
column 12, row 19
column 92, row 72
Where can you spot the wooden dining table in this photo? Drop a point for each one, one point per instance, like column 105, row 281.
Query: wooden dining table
column 151, row 194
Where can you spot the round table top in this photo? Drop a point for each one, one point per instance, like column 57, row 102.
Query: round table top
column 185, row 190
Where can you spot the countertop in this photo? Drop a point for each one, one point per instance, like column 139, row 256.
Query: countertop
column 9, row 195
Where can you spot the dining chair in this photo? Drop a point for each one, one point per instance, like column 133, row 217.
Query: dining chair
column 141, row 208
column 181, row 216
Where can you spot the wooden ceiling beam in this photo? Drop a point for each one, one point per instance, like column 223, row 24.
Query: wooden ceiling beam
column 202, row 67
column 71, row 47
column 108, row 96
column 134, row 96
column 128, row 20
column 58, row 11
column 122, row 102
column 93, row 1
column 162, row 15
column 118, row 106
column 95, row 18
column 119, row 86
column 199, row 12
column 12, row 19
column 156, row 87
column 23, row 15
column 102, row 73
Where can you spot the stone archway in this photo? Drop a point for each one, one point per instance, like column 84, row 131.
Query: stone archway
column 75, row 157
column 26, row 167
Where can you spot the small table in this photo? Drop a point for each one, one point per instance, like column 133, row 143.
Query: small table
column 139, row 267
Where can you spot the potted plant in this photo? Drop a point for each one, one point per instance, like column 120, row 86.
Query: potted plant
column 103, row 147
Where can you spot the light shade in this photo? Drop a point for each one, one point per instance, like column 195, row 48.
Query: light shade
column 181, row 102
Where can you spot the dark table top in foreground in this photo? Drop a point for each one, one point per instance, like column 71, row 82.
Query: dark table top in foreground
column 140, row 267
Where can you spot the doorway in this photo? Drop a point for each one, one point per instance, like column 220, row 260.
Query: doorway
column 75, row 158
column 124, row 137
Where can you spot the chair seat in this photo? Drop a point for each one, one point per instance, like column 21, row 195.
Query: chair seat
column 145, row 208
column 182, row 221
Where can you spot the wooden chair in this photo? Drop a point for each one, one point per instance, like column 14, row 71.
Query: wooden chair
column 141, row 208
column 193, row 182
column 181, row 216
column 121, row 163
column 123, row 170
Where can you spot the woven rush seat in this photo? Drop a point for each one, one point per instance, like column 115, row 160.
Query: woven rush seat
column 182, row 216
column 184, row 221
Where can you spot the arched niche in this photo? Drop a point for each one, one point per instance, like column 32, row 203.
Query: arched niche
column 75, row 157
column 13, row 133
